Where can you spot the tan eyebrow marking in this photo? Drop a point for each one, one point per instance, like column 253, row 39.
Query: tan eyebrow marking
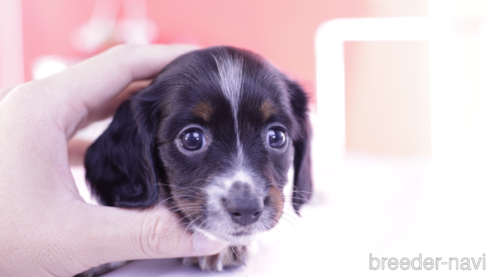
column 267, row 109
column 203, row 110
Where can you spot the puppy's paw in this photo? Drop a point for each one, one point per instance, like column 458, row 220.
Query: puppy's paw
column 102, row 269
column 232, row 256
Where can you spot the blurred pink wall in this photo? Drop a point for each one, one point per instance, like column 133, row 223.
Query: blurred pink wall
column 281, row 30
column 389, row 118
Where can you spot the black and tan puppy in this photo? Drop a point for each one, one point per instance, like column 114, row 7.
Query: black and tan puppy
column 214, row 134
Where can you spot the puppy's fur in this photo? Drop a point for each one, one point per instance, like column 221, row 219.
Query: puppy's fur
column 231, row 187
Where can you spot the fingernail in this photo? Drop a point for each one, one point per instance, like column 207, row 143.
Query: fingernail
column 203, row 245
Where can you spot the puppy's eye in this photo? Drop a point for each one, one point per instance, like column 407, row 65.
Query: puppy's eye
column 276, row 138
column 192, row 140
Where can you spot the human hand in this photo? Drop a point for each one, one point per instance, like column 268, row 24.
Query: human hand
column 46, row 228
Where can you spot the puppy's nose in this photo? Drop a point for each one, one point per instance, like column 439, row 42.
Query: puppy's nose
column 244, row 210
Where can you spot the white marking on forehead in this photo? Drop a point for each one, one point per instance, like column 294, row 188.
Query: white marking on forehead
column 231, row 78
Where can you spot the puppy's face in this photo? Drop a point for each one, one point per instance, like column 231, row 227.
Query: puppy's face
column 226, row 145
column 214, row 136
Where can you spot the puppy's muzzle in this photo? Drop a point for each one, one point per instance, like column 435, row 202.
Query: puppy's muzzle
column 244, row 207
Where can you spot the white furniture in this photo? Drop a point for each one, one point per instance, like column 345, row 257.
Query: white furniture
column 330, row 72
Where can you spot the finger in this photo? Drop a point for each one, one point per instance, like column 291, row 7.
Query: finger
column 76, row 151
column 78, row 147
column 87, row 86
column 117, row 234
column 110, row 107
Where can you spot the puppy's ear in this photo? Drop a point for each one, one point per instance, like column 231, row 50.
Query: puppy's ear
column 303, row 186
column 120, row 163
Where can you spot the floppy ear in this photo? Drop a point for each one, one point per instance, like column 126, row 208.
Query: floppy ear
column 303, row 186
column 120, row 163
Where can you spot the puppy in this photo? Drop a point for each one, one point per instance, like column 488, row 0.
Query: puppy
column 214, row 135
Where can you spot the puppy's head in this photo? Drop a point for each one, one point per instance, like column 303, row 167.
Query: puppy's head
column 214, row 136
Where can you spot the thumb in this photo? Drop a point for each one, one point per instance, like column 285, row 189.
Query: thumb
column 119, row 234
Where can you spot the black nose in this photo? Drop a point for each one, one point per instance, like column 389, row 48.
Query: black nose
column 244, row 210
